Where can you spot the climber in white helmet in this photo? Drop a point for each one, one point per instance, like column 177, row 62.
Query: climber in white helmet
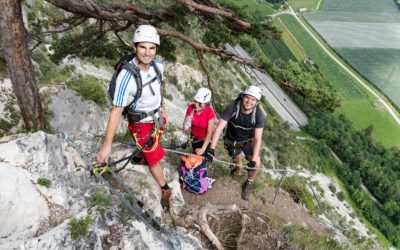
column 244, row 122
column 146, row 116
column 199, row 121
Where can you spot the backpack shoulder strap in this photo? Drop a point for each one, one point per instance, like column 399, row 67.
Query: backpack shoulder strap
column 236, row 109
column 158, row 72
column 254, row 114
column 136, row 75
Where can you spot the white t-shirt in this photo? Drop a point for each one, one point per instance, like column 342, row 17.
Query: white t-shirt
column 125, row 89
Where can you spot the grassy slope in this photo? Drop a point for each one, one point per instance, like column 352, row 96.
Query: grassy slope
column 357, row 105
column 309, row 4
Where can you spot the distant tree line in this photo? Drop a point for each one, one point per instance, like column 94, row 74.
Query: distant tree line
column 365, row 162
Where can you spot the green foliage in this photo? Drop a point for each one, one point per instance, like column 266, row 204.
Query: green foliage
column 63, row 46
column 89, row 88
column 332, row 188
column 217, row 34
column 308, row 239
column 12, row 117
column 71, row 43
column 167, row 50
column 104, row 48
column 249, row 9
column 100, row 199
column 311, row 90
column 297, row 189
column 3, row 67
column 50, row 72
column 123, row 137
column 44, row 182
column 367, row 162
column 340, row 196
column 79, row 227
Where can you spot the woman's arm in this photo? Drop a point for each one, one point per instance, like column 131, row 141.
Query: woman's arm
column 210, row 128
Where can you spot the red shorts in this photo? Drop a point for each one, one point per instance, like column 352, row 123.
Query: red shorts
column 154, row 153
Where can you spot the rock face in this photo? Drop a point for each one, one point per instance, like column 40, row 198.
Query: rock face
column 75, row 116
column 19, row 193
column 37, row 217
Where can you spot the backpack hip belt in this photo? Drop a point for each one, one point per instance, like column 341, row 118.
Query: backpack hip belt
column 228, row 143
column 137, row 115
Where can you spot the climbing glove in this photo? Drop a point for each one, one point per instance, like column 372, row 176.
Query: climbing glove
column 210, row 154
column 184, row 145
column 251, row 166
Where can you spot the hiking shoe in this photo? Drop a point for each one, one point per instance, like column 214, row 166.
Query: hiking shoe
column 247, row 189
column 165, row 194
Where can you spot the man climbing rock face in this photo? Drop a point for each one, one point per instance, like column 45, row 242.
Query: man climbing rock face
column 145, row 112
column 244, row 122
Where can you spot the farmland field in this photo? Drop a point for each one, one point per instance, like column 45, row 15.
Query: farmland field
column 366, row 33
column 343, row 16
column 289, row 40
column 357, row 105
column 276, row 50
column 359, row 34
column 380, row 66
column 309, row 4
column 360, row 5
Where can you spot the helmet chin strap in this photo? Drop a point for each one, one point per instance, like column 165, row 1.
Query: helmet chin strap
column 194, row 108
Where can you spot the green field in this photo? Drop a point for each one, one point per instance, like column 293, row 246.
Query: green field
column 276, row 50
column 309, row 4
column 259, row 11
column 344, row 16
column 357, row 105
column 362, row 112
column 290, row 41
column 360, row 5
column 379, row 66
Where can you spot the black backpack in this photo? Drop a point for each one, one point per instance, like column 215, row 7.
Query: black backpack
column 123, row 63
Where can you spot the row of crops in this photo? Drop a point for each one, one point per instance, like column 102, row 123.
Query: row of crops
column 386, row 6
column 276, row 50
column 379, row 66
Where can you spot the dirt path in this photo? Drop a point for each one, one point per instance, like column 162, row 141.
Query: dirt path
column 226, row 191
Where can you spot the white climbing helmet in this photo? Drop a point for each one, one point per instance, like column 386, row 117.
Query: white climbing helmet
column 146, row 33
column 253, row 90
column 203, row 95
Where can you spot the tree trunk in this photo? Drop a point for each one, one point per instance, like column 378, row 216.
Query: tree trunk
column 19, row 65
